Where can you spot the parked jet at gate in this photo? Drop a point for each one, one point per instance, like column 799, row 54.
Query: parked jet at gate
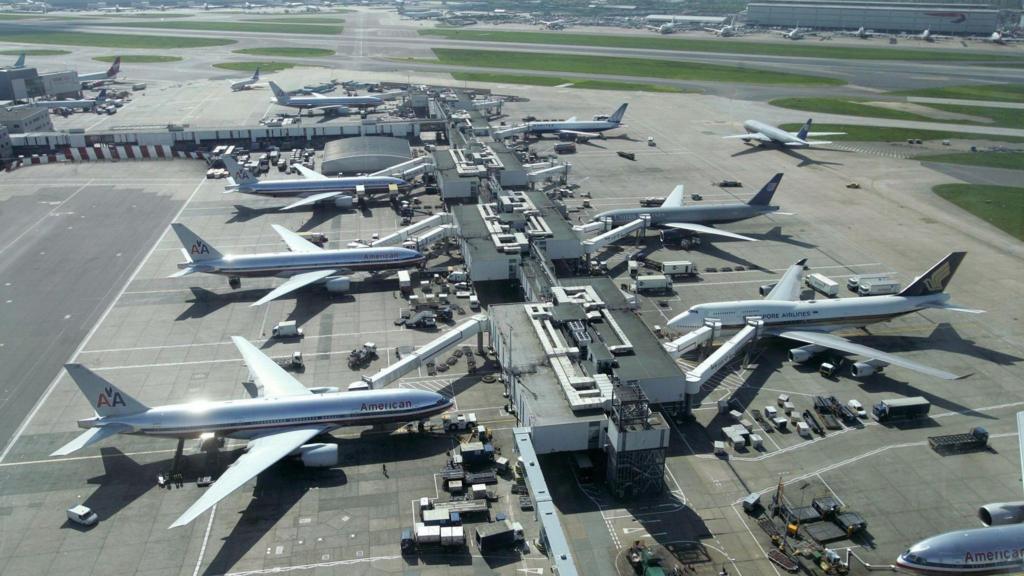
column 246, row 83
column 305, row 264
column 108, row 74
column 811, row 322
column 279, row 422
column 580, row 129
column 20, row 62
column 766, row 134
column 313, row 188
column 317, row 101
column 84, row 104
column 996, row 549
column 696, row 219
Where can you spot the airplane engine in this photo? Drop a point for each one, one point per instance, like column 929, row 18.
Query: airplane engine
column 1002, row 513
column 804, row 353
column 865, row 369
column 319, row 455
column 338, row 284
column 325, row 390
column 343, row 201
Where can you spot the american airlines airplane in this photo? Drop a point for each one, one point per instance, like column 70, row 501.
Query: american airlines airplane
column 786, row 316
column 695, row 219
column 313, row 188
column 305, row 264
column 20, row 62
column 572, row 126
column 317, row 101
column 85, row 104
column 108, row 74
column 246, row 83
column 997, row 549
column 279, row 422
column 766, row 134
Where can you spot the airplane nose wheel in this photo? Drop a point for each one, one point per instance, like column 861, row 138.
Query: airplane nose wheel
column 235, row 282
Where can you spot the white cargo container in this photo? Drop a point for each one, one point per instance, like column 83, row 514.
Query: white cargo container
column 823, row 284
column 878, row 288
column 770, row 412
column 803, row 429
column 404, row 281
column 854, row 282
column 679, row 268
column 427, row 534
column 453, row 536
column 653, row 283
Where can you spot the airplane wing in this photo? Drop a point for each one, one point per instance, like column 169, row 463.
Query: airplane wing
column 788, row 287
column 809, row 134
column 295, row 242
column 573, row 119
column 800, row 142
column 90, row 437
column 1020, row 438
column 675, row 199
column 312, row 199
column 317, row 95
column 843, row 345
column 580, row 134
column 697, row 228
column 268, row 374
column 750, row 136
column 309, row 174
column 263, row 452
column 294, row 283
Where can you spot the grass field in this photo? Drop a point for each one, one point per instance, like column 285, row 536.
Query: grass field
column 810, row 50
column 885, row 134
column 20, row 16
column 1001, row 206
column 1005, row 117
column 296, row 19
column 36, row 52
column 286, row 52
column 845, row 106
column 995, row 92
column 97, row 40
column 1008, row 160
column 558, row 81
column 139, row 58
column 156, row 15
column 239, row 27
column 640, row 67
column 265, row 67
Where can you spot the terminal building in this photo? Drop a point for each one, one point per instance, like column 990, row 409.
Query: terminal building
column 893, row 17
column 25, row 83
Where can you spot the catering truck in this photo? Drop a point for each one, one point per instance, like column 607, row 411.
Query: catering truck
column 901, row 409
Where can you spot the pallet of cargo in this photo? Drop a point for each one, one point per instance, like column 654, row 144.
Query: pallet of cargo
column 486, row 477
column 783, row 560
column 823, row 532
column 976, row 439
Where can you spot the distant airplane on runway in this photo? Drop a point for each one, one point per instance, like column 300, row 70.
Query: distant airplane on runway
column 766, row 134
column 246, row 83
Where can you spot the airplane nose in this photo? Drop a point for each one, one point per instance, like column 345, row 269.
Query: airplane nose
column 680, row 321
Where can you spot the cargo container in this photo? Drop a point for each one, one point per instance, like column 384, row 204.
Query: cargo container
column 453, row 536
column 498, row 536
column 424, row 534
column 565, row 148
column 901, row 408
column 653, row 283
column 878, row 288
column 679, row 268
column 823, row 284
column 854, row 282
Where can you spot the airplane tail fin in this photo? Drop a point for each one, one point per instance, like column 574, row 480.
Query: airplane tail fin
column 102, row 95
column 802, row 134
column 256, row 74
column 196, row 248
column 238, row 174
column 616, row 117
column 936, row 278
column 281, row 96
column 114, row 68
column 20, row 62
column 106, row 399
column 764, row 195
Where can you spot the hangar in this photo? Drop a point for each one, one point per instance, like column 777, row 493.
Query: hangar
column 364, row 154
column 887, row 17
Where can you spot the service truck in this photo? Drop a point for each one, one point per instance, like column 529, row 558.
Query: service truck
column 901, row 408
column 498, row 536
column 653, row 283
column 878, row 288
column 679, row 268
column 854, row 282
column 823, row 284
column 565, row 148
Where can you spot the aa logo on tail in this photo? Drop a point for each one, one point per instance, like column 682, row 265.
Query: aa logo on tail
column 200, row 248
column 110, row 397
column 242, row 174
column 937, row 280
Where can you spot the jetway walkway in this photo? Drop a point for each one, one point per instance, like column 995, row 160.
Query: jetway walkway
column 704, row 335
column 409, row 168
column 411, row 231
column 475, row 326
column 509, row 132
column 726, row 352
column 560, row 171
column 601, row 240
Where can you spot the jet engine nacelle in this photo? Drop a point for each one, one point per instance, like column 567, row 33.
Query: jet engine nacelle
column 338, row 284
column 804, row 353
column 1002, row 513
column 319, row 455
column 343, row 201
column 325, row 390
column 865, row 369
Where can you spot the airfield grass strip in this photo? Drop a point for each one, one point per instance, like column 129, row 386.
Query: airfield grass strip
column 994, row 92
column 268, row 27
column 1004, row 117
column 35, row 52
column 251, row 66
column 1001, row 206
column 286, row 52
column 723, row 46
column 138, row 58
column 641, row 67
column 296, row 19
column 1007, row 160
column 857, row 133
column 558, row 81
column 100, row 40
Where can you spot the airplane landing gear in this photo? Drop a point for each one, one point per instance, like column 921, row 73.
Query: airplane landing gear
column 235, row 282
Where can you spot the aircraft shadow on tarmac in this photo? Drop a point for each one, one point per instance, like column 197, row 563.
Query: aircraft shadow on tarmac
column 123, row 481
column 776, row 235
column 804, row 160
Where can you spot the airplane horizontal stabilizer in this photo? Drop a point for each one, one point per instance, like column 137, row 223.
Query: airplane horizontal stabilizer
column 294, row 283
column 90, row 437
column 834, row 342
column 183, row 272
column 699, row 229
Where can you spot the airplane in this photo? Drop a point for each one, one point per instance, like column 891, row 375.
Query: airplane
column 998, row 37
column 553, row 24
column 108, row 74
column 766, row 134
column 861, row 33
column 994, row 549
column 319, row 101
column 794, row 34
column 927, row 36
column 313, row 188
column 246, row 83
column 304, row 264
column 582, row 130
column 696, row 219
column 20, row 62
column 281, row 421
column 811, row 322
column 724, row 31
column 85, row 104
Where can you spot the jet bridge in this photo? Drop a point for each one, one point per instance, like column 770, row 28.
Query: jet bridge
column 726, row 352
column 509, row 132
column 475, row 326
column 399, row 236
column 560, row 171
column 704, row 335
column 601, row 240
column 409, row 168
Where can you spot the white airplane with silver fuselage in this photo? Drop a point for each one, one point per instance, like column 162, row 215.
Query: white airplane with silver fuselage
column 766, row 134
column 784, row 315
column 696, row 219
column 304, row 265
column 996, row 549
column 108, row 74
column 581, row 129
column 246, row 83
column 318, row 101
column 280, row 421
column 314, row 187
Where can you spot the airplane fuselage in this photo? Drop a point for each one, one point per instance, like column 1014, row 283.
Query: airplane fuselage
column 992, row 550
column 307, row 187
column 246, row 417
column 711, row 214
column 286, row 264
column 307, row 102
column 777, row 135
column 596, row 126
